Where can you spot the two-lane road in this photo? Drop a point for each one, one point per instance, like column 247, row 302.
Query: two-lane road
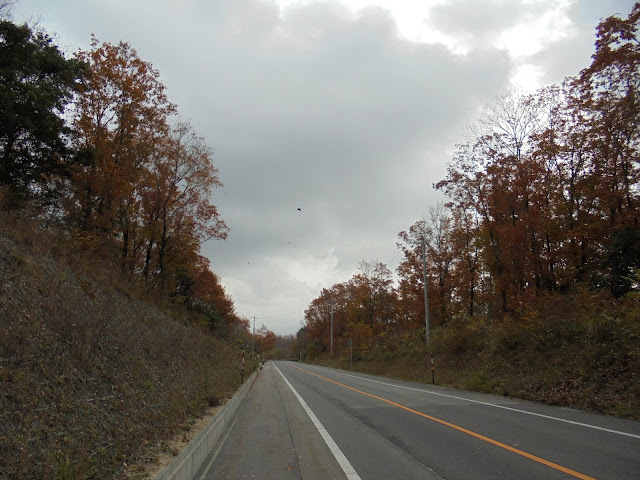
column 303, row 421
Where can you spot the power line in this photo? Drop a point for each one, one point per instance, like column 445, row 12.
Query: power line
column 393, row 260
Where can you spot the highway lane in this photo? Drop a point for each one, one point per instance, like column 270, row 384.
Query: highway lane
column 392, row 429
column 272, row 436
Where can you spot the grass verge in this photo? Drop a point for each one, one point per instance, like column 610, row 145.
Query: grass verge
column 583, row 353
column 94, row 377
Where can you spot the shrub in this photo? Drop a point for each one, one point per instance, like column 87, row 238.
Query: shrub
column 88, row 368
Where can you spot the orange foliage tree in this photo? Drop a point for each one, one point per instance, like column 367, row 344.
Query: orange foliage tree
column 204, row 295
column 177, row 213
column 543, row 200
column 550, row 183
column 437, row 231
column 120, row 119
column 364, row 312
column 145, row 188
column 265, row 340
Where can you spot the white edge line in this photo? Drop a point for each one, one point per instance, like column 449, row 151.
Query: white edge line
column 348, row 470
column 595, row 427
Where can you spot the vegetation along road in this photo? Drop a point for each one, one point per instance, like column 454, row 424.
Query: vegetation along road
column 303, row 421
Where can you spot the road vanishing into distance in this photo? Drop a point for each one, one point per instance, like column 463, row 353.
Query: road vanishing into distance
column 309, row 422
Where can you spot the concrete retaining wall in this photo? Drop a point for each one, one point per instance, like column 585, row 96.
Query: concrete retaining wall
column 186, row 465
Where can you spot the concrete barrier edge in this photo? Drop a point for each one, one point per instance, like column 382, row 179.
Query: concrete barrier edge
column 187, row 463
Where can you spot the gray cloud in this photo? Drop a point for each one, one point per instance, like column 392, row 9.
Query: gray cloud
column 477, row 23
column 569, row 55
column 312, row 107
column 339, row 117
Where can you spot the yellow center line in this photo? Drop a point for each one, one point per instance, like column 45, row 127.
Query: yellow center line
column 461, row 429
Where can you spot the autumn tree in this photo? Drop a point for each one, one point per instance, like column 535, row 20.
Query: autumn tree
column 498, row 183
column 299, row 344
column 591, row 150
column 265, row 340
column 467, row 276
column 563, row 150
column 36, row 84
column 283, row 347
column 364, row 311
column 178, row 215
column 542, row 201
column 609, row 94
column 439, row 250
column 436, row 229
column 147, row 184
column 318, row 315
column 609, row 89
column 349, row 314
column 372, row 292
column 411, row 279
column 203, row 294
column 120, row 118
column 548, row 183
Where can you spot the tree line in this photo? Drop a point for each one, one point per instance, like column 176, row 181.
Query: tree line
column 94, row 143
column 543, row 202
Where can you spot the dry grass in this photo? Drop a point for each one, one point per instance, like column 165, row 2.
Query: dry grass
column 580, row 351
column 93, row 377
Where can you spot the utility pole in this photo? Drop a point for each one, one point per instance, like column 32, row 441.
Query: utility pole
column 332, row 327
column 426, row 294
column 253, row 336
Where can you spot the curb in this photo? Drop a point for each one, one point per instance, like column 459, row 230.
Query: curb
column 186, row 465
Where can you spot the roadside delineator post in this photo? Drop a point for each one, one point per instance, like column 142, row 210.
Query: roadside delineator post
column 433, row 371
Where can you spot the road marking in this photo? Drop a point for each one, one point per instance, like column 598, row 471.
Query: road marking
column 348, row 470
column 555, row 466
column 587, row 425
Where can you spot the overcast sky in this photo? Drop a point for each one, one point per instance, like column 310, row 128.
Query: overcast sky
column 346, row 110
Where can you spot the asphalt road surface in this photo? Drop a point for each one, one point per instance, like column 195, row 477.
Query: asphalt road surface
column 304, row 421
